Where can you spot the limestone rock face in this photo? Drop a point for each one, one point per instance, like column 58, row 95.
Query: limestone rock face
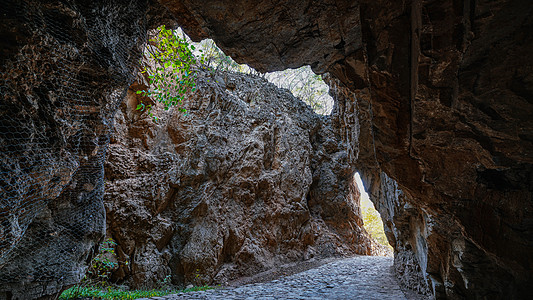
column 300, row 32
column 249, row 178
column 65, row 67
column 436, row 95
column 442, row 100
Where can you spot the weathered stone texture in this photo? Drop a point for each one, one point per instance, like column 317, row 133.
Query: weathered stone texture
column 435, row 94
column 299, row 32
column 65, row 66
column 249, row 178
column 443, row 93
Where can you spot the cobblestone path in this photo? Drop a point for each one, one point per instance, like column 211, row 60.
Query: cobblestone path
column 361, row 277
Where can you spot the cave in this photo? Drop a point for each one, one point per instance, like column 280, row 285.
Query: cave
column 433, row 107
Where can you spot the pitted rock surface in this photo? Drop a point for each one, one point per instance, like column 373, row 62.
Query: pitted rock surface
column 436, row 99
column 249, row 179
column 360, row 277
column 437, row 116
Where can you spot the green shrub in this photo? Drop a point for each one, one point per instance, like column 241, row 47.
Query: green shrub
column 171, row 70
column 102, row 265
column 374, row 225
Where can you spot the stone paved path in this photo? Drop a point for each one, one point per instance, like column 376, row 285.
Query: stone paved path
column 361, row 277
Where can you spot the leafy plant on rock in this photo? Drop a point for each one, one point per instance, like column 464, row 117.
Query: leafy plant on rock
column 103, row 264
column 171, row 70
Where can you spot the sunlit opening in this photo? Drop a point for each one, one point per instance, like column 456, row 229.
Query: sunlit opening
column 372, row 220
column 302, row 82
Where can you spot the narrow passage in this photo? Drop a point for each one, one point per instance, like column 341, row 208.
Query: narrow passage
column 360, row 277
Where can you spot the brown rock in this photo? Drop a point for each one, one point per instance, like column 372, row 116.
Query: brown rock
column 64, row 68
column 435, row 94
column 249, row 178
column 443, row 107
column 300, row 32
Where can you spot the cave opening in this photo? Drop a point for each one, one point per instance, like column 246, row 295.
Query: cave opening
column 302, row 82
column 318, row 228
column 432, row 81
column 372, row 222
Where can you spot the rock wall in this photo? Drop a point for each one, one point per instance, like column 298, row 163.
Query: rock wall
column 248, row 179
column 437, row 120
column 442, row 100
column 437, row 95
column 65, row 67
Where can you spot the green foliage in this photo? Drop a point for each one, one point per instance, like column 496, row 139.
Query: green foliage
column 102, row 265
column 173, row 66
column 166, row 283
column 371, row 218
column 374, row 225
column 96, row 285
column 312, row 93
column 172, row 72
column 306, row 85
column 302, row 82
column 116, row 294
column 216, row 59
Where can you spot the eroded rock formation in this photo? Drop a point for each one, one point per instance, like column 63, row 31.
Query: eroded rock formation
column 249, row 178
column 451, row 133
column 434, row 99
column 442, row 98
column 65, row 67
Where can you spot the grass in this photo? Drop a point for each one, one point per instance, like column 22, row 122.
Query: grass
column 117, row 294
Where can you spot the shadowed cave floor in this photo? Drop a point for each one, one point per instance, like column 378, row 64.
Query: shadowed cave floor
column 359, row 277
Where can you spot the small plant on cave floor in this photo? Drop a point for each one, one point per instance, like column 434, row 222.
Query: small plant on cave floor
column 96, row 285
column 172, row 72
column 166, row 283
column 102, row 265
column 197, row 278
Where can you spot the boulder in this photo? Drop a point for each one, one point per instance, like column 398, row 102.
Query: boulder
column 247, row 179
